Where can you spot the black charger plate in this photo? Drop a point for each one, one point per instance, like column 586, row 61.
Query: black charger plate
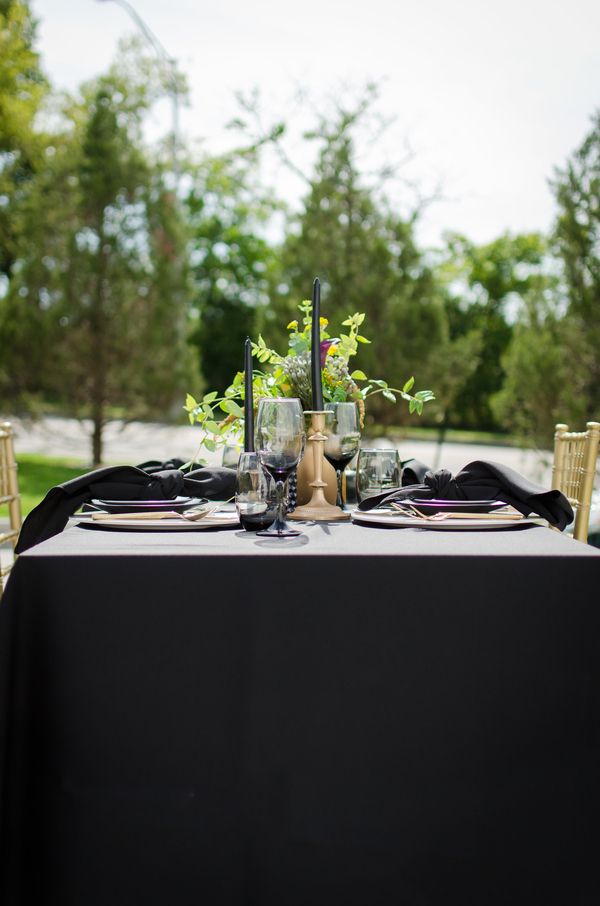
column 177, row 504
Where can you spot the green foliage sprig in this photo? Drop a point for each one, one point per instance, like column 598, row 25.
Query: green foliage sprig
column 221, row 417
column 339, row 384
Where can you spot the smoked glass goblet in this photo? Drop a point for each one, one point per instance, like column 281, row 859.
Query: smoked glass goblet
column 342, row 428
column 279, row 440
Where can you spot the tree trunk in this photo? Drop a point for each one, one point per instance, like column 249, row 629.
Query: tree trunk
column 98, row 425
column 98, row 363
column 440, row 441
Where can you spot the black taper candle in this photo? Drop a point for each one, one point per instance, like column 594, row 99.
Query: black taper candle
column 248, row 399
column 315, row 352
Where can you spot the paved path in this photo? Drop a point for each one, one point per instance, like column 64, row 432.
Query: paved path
column 135, row 442
column 124, row 442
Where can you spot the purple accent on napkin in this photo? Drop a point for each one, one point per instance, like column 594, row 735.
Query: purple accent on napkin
column 481, row 480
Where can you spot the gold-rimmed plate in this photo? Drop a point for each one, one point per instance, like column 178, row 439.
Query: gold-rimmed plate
column 390, row 519
column 212, row 521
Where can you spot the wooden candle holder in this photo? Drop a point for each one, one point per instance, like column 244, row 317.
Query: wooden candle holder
column 318, row 509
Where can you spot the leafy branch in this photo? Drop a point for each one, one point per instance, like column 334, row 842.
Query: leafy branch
column 220, row 417
column 216, row 428
column 415, row 403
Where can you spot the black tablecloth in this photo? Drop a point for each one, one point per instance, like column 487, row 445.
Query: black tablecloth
column 363, row 716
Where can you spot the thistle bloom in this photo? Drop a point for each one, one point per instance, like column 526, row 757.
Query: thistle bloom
column 324, row 349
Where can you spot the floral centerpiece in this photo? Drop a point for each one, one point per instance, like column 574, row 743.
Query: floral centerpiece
column 220, row 417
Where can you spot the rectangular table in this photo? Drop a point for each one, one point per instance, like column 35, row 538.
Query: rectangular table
column 359, row 716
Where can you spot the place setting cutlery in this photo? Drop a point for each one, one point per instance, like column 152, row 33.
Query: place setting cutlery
column 454, row 515
column 190, row 516
column 209, row 515
column 407, row 509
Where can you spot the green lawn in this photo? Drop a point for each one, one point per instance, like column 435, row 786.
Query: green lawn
column 37, row 474
column 452, row 435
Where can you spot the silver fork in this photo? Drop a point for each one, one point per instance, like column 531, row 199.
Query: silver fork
column 406, row 509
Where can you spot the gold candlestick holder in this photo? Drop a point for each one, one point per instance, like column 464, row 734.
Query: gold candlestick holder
column 318, row 509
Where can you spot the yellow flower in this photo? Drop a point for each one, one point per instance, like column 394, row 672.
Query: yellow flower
column 292, row 325
column 323, row 322
column 332, row 349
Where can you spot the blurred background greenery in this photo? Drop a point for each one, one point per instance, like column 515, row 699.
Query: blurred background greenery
column 131, row 271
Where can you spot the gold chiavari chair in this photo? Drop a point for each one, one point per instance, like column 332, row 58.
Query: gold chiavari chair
column 9, row 494
column 574, row 470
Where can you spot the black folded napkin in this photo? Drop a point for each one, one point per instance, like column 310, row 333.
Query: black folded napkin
column 413, row 472
column 120, row 483
column 155, row 465
column 484, row 481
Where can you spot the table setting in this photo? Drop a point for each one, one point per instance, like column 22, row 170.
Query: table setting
column 212, row 687
column 285, row 435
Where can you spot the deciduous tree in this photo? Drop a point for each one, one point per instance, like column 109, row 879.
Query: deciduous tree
column 485, row 287
column 231, row 259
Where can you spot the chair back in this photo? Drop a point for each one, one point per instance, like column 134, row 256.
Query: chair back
column 574, row 470
column 9, row 493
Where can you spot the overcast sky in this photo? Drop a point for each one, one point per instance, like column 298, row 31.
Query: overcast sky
column 491, row 96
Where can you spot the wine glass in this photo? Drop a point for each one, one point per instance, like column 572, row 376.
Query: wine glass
column 342, row 428
column 254, row 494
column 279, row 438
column 377, row 471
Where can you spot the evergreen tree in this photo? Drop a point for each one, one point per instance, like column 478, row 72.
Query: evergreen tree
column 577, row 238
column 100, row 278
column 367, row 260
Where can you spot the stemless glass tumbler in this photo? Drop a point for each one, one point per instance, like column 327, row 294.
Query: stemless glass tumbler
column 377, row 471
column 254, row 494
column 279, row 441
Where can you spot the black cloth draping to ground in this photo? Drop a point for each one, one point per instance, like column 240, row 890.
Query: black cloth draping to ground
column 121, row 483
column 359, row 717
column 483, row 481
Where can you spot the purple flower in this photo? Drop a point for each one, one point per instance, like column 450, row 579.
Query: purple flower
column 324, row 348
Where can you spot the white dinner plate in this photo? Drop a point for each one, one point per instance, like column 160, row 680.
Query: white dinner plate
column 215, row 520
column 393, row 520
